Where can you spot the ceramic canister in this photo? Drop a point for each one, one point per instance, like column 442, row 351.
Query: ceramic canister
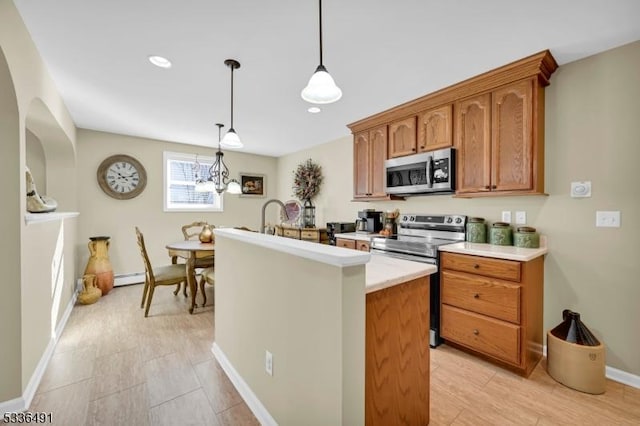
column 501, row 234
column 527, row 237
column 476, row 230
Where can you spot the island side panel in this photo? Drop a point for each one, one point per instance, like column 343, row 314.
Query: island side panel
column 397, row 354
column 293, row 307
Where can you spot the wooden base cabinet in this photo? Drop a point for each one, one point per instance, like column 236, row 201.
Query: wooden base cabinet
column 493, row 307
column 315, row 235
column 397, row 355
column 353, row 244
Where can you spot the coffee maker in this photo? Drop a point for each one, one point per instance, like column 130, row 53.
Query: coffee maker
column 372, row 218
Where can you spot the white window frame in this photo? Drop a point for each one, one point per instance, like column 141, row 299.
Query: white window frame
column 168, row 156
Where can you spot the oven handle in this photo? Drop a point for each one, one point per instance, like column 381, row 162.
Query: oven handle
column 430, row 171
column 405, row 256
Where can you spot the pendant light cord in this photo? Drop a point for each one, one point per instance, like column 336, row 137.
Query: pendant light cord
column 232, row 67
column 320, row 19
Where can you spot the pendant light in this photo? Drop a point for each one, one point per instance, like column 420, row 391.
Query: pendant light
column 218, row 174
column 321, row 88
column 231, row 139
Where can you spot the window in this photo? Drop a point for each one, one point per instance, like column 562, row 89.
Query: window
column 180, row 184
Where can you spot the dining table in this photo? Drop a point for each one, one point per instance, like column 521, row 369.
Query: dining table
column 195, row 249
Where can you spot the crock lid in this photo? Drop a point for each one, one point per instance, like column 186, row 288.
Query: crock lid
column 476, row 219
column 526, row 229
column 500, row 224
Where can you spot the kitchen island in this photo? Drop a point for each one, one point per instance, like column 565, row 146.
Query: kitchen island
column 298, row 324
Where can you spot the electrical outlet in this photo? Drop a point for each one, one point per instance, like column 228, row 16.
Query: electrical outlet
column 506, row 216
column 268, row 363
column 608, row 219
column 521, row 218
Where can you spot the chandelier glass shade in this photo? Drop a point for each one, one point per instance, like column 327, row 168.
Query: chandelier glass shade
column 321, row 88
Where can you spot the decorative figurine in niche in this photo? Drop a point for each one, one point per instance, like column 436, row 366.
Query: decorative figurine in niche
column 37, row 203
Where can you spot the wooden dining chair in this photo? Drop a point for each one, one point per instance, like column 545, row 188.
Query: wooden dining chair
column 161, row 275
column 208, row 276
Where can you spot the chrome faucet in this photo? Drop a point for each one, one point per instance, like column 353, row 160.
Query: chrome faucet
column 264, row 208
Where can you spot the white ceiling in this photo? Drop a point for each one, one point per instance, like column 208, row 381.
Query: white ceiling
column 381, row 54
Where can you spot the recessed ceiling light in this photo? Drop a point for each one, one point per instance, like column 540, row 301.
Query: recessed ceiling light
column 314, row 110
column 160, row 61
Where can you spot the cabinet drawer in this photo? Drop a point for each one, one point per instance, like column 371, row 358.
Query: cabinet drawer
column 309, row 235
column 342, row 242
column 497, row 268
column 291, row 233
column 484, row 334
column 483, row 295
column 362, row 245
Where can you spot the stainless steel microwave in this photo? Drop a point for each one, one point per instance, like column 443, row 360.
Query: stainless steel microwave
column 419, row 174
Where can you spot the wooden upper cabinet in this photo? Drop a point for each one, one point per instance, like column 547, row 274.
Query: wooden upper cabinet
column 361, row 163
column 435, row 128
column 512, row 147
column 369, row 154
column 494, row 120
column 473, row 142
column 402, row 137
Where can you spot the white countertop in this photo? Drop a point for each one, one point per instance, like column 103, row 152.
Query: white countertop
column 331, row 255
column 499, row 252
column 384, row 271
column 358, row 236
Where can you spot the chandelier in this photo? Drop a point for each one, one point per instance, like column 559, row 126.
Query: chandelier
column 218, row 179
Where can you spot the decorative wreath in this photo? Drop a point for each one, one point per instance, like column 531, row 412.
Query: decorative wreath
column 306, row 180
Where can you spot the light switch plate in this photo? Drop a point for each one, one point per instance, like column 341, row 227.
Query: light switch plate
column 521, row 217
column 608, row 219
column 506, row 216
column 581, row 189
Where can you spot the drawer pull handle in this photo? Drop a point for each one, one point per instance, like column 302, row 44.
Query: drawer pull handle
column 476, row 332
column 476, row 266
column 476, row 296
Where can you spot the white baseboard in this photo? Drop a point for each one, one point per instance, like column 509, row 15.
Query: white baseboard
column 127, row 279
column 23, row 403
column 243, row 388
column 614, row 374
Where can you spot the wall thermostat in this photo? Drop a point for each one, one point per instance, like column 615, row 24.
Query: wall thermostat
column 580, row 189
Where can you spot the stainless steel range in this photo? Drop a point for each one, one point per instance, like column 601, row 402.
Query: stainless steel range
column 418, row 239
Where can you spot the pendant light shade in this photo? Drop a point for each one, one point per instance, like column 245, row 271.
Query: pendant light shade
column 233, row 187
column 322, row 88
column 231, row 138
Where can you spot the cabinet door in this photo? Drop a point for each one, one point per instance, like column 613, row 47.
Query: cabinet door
column 361, row 164
column 512, row 148
column 378, row 154
column 435, row 129
column 473, row 141
column 402, row 137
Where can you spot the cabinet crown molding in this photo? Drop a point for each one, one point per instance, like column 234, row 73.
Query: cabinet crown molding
column 541, row 64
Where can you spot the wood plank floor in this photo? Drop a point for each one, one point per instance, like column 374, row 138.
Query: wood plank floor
column 112, row 366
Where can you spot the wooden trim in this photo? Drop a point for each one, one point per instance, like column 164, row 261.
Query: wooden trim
column 541, row 64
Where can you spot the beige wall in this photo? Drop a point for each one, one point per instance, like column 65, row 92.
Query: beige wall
column 103, row 215
column 309, row 315
column 592, row 133
column 36, row 162
column 28, row 99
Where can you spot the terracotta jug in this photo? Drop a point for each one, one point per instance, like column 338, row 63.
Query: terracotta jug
column 99, row 263
column 91, row 293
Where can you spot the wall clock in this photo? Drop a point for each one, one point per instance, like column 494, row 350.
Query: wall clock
column 122, row 177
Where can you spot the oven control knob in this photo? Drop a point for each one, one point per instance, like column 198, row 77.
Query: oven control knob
column 458, row 220
column 449, row 220
column 404, row 218
column 413, row 218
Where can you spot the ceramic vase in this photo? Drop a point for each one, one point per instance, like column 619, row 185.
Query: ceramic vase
column 206, row 235
column 99, row 263
column 91, row 292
